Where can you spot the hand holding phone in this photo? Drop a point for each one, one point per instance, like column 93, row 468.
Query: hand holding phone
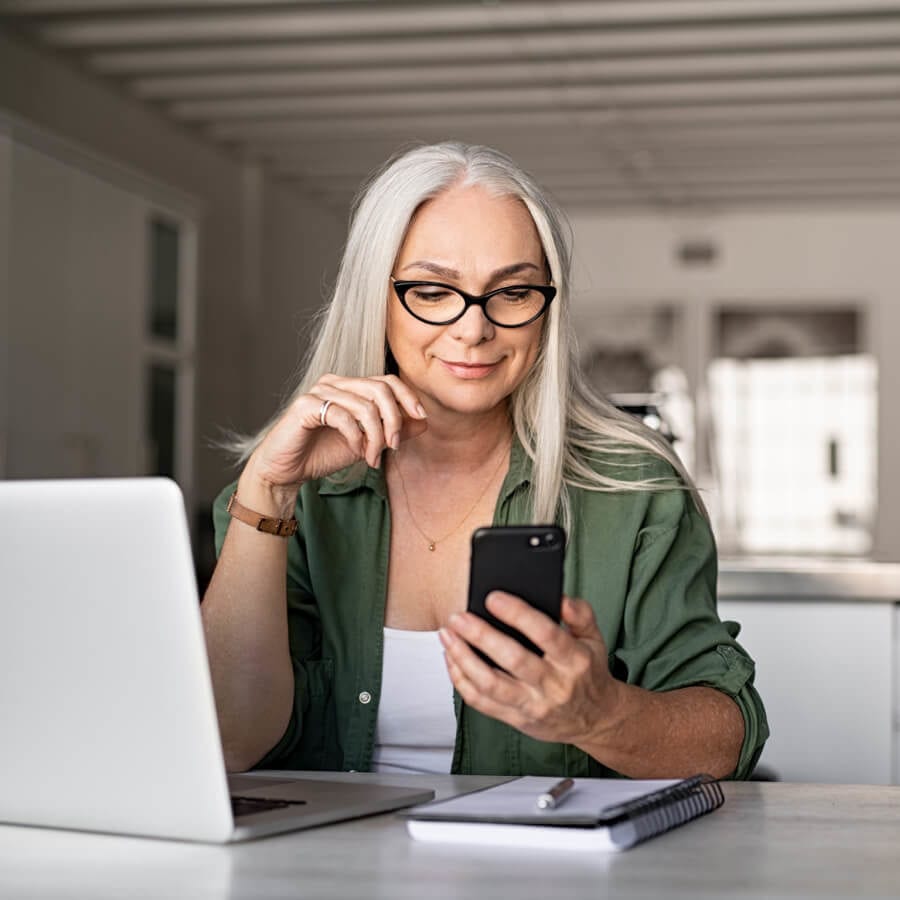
column 523, row 560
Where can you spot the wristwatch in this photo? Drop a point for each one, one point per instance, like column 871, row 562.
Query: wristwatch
column 268, row 524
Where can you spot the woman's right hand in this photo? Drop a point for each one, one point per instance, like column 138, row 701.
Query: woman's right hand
column 364, row 417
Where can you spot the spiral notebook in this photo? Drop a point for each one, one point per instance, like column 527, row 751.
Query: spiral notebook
column 597, row 814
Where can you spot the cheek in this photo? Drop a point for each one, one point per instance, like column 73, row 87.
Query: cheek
column 531, row 345
column 396, row 336
column 405, row 336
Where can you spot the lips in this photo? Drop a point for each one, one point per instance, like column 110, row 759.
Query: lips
column 469, row 370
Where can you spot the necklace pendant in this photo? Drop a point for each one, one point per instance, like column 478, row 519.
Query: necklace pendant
column 431, row 546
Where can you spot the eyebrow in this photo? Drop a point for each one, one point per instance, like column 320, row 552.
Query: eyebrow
column 445, row 272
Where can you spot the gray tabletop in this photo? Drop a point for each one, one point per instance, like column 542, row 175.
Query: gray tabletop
column 768, row 840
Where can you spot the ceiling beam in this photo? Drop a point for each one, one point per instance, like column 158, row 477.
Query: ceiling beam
column 314, row 22
column 548, row 45
column 609, row 97
column 525, row 74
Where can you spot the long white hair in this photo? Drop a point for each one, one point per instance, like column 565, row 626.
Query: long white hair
column 563, row 426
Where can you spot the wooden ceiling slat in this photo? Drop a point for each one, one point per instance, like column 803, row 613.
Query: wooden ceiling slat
column 547, row 45
column 314, row 21
column 526, row 74
column 608, row 97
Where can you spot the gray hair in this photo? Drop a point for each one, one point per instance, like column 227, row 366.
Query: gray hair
column 560, row 423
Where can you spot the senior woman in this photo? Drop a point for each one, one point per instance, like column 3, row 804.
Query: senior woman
column 442, row 393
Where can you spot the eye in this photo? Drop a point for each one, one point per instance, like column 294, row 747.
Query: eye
column 517, row 295
column 429, row 294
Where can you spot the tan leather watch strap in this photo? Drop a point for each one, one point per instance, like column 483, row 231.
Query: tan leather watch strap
column 268, row 524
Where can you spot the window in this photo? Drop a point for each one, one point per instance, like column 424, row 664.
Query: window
column 168, row 350
column 794, row 423
column 163, row 307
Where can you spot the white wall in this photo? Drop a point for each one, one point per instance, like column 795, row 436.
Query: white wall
column 819, row 257
column 46, row 91
column 75, row 288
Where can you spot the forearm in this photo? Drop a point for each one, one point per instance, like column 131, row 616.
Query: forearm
column 245, row 620
column 671, row 734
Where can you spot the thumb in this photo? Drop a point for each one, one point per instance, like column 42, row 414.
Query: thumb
column 579, row 618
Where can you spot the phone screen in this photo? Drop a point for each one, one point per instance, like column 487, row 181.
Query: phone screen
column 524, row 560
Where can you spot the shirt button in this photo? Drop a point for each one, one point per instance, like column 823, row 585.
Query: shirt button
column 364, row 697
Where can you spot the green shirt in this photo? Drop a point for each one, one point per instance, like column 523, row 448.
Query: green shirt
column 644, row 560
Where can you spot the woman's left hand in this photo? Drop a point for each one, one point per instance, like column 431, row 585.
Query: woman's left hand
column 565, row 696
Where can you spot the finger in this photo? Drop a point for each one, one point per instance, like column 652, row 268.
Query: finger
column 396, row 401
column 378, row 395
column 579, row 618
column 477, row 700
column 340, row 420
column 483, row 683
column 508, row 653
column 536, row 625
column 405, row 395
column 363, row 411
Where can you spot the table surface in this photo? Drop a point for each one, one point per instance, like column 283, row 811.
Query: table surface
column 769, row 840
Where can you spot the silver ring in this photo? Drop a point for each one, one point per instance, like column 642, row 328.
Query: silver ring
column 323, row 410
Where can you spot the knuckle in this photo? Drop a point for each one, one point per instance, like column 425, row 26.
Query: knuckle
column 382, row 391
column 581, row 661
column 518, row 656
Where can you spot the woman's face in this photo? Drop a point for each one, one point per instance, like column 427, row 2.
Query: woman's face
column 471, row 240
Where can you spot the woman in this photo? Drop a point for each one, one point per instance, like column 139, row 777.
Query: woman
column 442, row 394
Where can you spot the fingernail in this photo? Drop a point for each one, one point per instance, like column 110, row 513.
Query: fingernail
column 394, row 441
column 420, row 411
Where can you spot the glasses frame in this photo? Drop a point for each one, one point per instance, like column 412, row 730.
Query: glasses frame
column 547, row 290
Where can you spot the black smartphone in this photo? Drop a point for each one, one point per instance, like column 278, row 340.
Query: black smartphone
column 525, row 560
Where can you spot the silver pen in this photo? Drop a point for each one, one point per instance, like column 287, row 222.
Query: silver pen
column 552, row 798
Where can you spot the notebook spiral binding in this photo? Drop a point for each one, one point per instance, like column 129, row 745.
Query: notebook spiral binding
column 673, row 806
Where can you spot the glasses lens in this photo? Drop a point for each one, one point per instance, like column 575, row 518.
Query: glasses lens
column 434, row 303
column 515, row 306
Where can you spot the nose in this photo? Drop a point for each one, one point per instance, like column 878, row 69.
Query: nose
column 473, row 327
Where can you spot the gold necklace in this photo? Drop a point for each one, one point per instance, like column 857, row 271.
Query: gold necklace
column 433, row 542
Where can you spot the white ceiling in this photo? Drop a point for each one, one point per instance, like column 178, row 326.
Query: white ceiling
column 613, row 103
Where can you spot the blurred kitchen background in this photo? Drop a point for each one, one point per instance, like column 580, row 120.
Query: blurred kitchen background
column 175, row 182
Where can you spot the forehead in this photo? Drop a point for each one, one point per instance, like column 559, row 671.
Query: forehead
column 468, row 226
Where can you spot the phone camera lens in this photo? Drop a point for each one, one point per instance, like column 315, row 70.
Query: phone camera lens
column 550, row 539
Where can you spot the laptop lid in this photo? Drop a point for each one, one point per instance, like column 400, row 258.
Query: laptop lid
column 108, row 716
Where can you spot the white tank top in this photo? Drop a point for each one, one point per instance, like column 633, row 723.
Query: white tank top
column 416, row 727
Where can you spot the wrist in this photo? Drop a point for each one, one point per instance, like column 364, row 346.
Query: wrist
column 264, row 496
column 607, row 732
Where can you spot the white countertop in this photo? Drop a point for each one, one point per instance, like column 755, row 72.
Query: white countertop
column 788, row 578
column 769, row 840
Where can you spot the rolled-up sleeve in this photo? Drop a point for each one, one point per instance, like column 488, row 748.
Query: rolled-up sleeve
column 672, row 636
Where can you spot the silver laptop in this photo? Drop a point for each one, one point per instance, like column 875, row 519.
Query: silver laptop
column 106, row 705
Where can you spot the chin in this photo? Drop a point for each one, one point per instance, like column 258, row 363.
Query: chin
column 471, row 401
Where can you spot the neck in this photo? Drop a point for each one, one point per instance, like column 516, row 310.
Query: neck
column 459, row 441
